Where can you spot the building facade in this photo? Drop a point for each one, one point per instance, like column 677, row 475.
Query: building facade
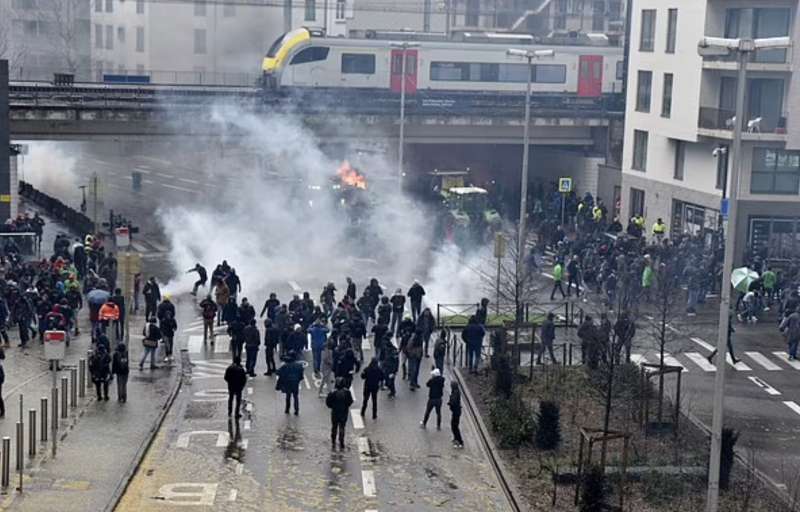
column 41, row 37
column 182, row 42
column 680, row 116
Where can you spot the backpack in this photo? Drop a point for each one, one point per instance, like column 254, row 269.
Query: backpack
column 123, row 361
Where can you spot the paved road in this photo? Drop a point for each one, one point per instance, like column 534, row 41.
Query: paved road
column 285, row 462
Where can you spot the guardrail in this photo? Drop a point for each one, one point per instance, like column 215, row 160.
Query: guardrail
column 57, row 210
column 567, row 314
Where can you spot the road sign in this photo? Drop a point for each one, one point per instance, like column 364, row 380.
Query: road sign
column 55, row 343
column 723, row 208
column 499, row 246
column 565, row 185
column 123, row 236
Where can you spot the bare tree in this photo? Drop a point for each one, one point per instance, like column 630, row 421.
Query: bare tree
column 11, row 49
column 68, row 20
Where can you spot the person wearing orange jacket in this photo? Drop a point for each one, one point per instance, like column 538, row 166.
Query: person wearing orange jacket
column 108, row 312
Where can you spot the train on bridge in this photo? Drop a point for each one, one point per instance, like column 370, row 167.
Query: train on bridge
column 306, row 63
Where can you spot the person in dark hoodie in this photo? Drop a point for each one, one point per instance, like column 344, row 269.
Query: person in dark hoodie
column 455, row 414
column 236, row 378
column 272, row 336
column 252, row 340
column 168, row 326
column 121, row 368
column 435, row 393
column 100, row 369
column 372, row 376
column 289, row 377
column 339, row 402
column 236, row 331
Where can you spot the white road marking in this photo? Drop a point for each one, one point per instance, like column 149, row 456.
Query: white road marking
column 638, row 359
column 740, row 366
column 248, row 408
column 232, row 495
column 247, row 424
column 159, row 246
column 701, row 361
column 176, row 187
column 148, row 182
column 245, row 443
column 784, row 356
column 169, row 176
column 358, row 421
column 249, row 391
column 139, row 247
column 763, row 361
column 221, row 347
column 239, row 468
column 295, row 286
column 187, row 180
column 672, row 361
column 763, row 385
column 368, row 480
column 703, row 344
column 549, row 276
column 793, row 406
column 222, row 437
column 195, row 344
column 305, row 381
column 142, row 169
column 363, row 448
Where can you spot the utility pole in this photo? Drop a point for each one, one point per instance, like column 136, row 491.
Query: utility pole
column 404, row 46
column 95, row 202
column 5, row 145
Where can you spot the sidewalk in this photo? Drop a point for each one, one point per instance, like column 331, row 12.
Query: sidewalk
column 100, row 442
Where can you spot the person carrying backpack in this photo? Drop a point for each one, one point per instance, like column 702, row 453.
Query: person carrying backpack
column 209, row 312
column 120, row 368
column 100, row 370
column 152, row 335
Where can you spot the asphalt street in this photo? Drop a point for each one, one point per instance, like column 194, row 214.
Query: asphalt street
column 285, row 462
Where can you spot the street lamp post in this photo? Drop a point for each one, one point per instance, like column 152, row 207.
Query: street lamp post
column 744, row 49
column 529, row 55
column 404, row 46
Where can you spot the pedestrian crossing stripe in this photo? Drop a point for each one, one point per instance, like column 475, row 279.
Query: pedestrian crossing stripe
column 763, row 361
column 701, row 361
column 783, row 356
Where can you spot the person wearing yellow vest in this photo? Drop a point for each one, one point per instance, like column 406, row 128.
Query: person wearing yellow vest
column 659, row 229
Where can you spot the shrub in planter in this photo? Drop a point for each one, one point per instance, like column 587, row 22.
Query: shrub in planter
column 512, row 420
column 593, row 492
column 548, row 433
column 729, row 438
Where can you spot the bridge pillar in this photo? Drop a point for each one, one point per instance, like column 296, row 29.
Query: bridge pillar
column 5, row 145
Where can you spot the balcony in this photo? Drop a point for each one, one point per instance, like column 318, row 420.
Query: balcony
column 719, row 123
column 775, row 60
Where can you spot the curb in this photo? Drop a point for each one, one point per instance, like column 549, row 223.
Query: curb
column 508, row 483
column 126, row 479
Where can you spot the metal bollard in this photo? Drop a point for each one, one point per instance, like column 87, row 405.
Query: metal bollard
column 32, row 432
column 54, row 411
column 82, row 378
column 73, row 387
column 43, row 426
column 20, row 444
column 64, row 396
column 6, row 462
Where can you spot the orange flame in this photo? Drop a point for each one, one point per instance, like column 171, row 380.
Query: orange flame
column 349, row 176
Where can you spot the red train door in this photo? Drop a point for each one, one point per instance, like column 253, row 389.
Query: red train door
column 397, row 71
column 590, row 76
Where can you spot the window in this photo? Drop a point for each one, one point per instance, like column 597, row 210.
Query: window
column 472, row 13
column 121, row 34
column 549, row 74
column 759, row 23
column 98, row 35
column 639, row 150
column 139, row 6
column 620, row 70
column 98, row 5
column 666, row 99
column 311, row 10
column 358, row 63
column 648, row 35
column 109, row 5
column 775, row 172
column 229, row 10
column 199, row 7
column 139, row 39
column 341, row 9
column 614, row 10
column 598, row 16
column 109, row 37
column 310, row 54
column 672, row 30
column 637, row 202
column 199, row 41
column 643, row 91
column 680, row 159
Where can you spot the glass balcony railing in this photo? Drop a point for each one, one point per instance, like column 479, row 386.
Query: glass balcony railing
column 722, row 119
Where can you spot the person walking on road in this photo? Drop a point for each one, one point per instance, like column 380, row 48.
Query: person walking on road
column 252, row 340
column 209, row 311
column 390, row 363
column 319, row 338
column 790, row 327
column 2, row 381
column 272, row 336
column 100, row 369
column 119, row 323
column 415, row 294
column 202, row 277
column 435, row 393
column 398, row 302
column 473, row 335
column 440, row 349
column 152, row 296
column 168, row 326
column 731, row 330
column 558, row 280
column 548, row 336
column 372, row 376
column 236, row 378
column 326, row 367
column 455, row 414
column 121, row 368
column 289, row 377
column 152, row 335
column 236, row 332
column 339, row 402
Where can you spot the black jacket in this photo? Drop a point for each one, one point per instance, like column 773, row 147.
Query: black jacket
column 372, row 376
column 289, row 377
column 252, row 338
column 435, row 387
column 272, row 336
column 119, row 362
column 100, row 366
column 473, row 335
column 236, row 378
column 339, row 402
column 416, row 292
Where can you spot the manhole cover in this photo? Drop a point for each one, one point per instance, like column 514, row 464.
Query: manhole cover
column 199, row 410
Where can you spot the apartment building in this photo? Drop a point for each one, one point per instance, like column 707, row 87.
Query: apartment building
column 40, row 37
column 680, row 118
column 198, row 42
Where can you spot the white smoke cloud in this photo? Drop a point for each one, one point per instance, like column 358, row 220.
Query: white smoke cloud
column 50, row 167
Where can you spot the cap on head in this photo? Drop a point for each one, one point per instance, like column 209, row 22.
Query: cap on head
column 435, row 372
column 297, row 328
